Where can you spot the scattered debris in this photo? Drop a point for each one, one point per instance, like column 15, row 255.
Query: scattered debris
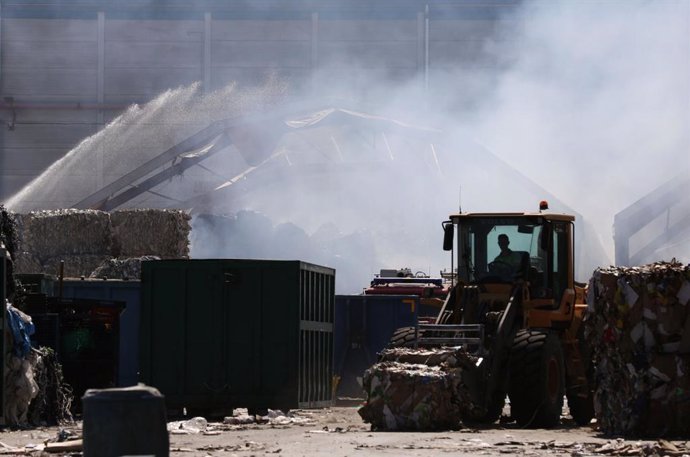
column 187, row 427
column 129, row 268
column 241, row 416
column 64, row 446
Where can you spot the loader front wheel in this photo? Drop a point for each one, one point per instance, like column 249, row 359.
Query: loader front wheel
column 404, row 337
column 537, row 379
column 492, row 413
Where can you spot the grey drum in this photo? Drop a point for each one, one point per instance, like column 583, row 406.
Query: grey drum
column 125, row 421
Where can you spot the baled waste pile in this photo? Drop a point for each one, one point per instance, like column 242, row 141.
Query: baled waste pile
column 129, row 268
column 141, row 232
column 639, row 328
column 416, row 389
column 88, row 239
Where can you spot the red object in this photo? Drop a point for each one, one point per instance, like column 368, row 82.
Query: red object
column 420, row 290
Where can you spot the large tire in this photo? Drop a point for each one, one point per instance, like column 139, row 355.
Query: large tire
column 403, row 337
column 537, row 379
column 493, row 412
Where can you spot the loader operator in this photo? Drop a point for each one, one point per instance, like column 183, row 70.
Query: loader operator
column 510, row 261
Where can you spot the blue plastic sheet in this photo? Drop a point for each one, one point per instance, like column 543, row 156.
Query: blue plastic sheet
column 22, row 329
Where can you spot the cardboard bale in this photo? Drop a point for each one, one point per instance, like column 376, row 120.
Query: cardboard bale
column 144, row 232
column 54, row 233
column 26, row 263
column 636, row 325
column 432, row 357
column 416, row 389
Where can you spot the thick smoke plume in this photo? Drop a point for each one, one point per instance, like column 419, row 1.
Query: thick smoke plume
column 582, row 103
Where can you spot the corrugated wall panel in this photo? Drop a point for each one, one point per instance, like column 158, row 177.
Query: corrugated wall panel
column 50, row 29
column 368, row 30
column 172, row 54
column 368, row 54
column 27, row 161
column 153, row 30
column 59, row 116
column 446, row 54
column 269, row 30
column 143, row 58
column 257, row 75
column 47, row 135
column 80, row 83
column 261, row 54
column 465, row 29
column 50, row 54
column 148, row 82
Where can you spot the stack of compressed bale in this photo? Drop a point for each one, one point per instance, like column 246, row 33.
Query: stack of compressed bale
column 638, row 326
column 87, row 239
column 159, row 232
column 416, row 389
column 80, row 238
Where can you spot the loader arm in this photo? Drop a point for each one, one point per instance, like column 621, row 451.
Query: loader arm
column 486, row 381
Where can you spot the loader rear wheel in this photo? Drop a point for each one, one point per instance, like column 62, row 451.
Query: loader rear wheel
column 403, row 337
column 537, row 379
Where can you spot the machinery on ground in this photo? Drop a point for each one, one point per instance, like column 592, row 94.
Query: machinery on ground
column 432, row 292
column 519, row 314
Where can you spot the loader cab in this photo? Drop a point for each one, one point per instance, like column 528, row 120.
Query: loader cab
column 540, row 251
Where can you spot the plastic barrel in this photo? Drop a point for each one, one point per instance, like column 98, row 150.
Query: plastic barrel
column 125, row 421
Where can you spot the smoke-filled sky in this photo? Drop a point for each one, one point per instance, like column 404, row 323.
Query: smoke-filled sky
column 587, row 102
column 595, row 104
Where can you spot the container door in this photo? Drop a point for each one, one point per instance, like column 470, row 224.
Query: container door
column 204, row 330
column 163, row 329
column 242, row 334
column 280, row 332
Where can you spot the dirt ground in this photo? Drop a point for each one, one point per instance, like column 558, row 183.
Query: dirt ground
column 339, row 432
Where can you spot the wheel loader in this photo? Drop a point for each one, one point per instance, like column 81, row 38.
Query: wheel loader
column 518, row 311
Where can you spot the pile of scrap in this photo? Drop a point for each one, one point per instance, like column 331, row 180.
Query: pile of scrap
column 416, row 389
column 87, row 239
column 9, row 238
column 638, row 326
column 52, row 404
column 128, row 268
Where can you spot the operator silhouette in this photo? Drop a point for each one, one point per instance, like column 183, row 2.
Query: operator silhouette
column 508, row 256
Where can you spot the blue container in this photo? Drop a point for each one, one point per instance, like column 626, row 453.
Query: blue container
column 364, row 325
column 127, row 292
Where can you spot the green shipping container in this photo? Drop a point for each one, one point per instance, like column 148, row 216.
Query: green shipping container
column 224, row 334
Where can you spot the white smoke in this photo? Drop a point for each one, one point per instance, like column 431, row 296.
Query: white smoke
column 583, row 103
